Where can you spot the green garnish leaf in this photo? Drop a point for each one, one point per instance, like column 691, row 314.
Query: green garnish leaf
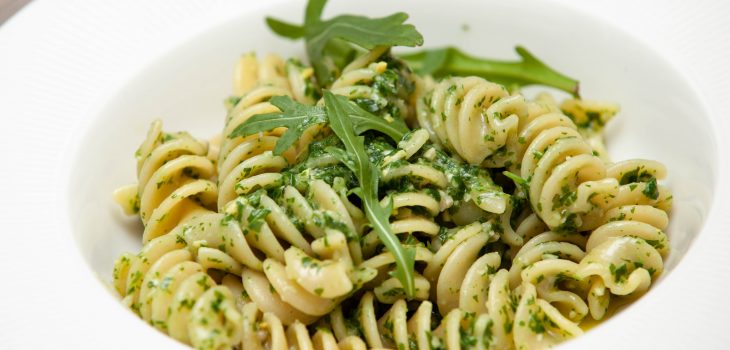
column 363, row 120
column 519, row 181
column 368, row 176
column 313, row 12
column 312, row 15
column 528, row 71
column 361, row 31
column 325, row 37
column 295, row 116
column 287, row 30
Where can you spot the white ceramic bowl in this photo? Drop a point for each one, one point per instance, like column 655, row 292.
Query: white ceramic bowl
column 186, row 86
column 662, row 117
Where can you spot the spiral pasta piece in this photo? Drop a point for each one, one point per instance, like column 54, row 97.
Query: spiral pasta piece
column 541, row 113
column 272, row 70
column 549, row 262
column 377, row 82
column 315, row 286
column 470, row 116
column 310, row 277
column 169, row 286
column 174, row 181
column 560, row 166
column 625, row 253
column 357, row 77
column 450, row 265
column 250, row 158
column 295, row 219
column 538, row 324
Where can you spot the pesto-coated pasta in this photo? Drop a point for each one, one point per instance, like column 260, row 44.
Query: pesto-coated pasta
column 626, row 252
column 517, row 227
column 174, row 176
column 470, row 116
column 250, row 158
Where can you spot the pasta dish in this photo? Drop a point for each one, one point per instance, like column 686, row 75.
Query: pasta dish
column 369, row 199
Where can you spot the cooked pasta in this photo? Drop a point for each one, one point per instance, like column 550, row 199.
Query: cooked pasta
column 169, row 284
column 470, row 116
column 627, row 250
column 174, row 181
column 378, row 83
column 458, row 214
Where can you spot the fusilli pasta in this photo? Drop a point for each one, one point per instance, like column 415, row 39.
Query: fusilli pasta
column 519, row 225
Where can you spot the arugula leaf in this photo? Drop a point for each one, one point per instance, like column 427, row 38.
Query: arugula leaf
column 312, row 15
column 295, row 116
column 326, row 37
column 313, row 12
column 368, row 175
column 362, row 31
column 287, row 30
column 529, row 70
column 363, row 120
column 519, row 181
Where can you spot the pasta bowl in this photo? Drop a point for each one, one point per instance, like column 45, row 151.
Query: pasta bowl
column 184, row 87
column 664, row 116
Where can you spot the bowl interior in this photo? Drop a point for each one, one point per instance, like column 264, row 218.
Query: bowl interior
column 661, row 117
